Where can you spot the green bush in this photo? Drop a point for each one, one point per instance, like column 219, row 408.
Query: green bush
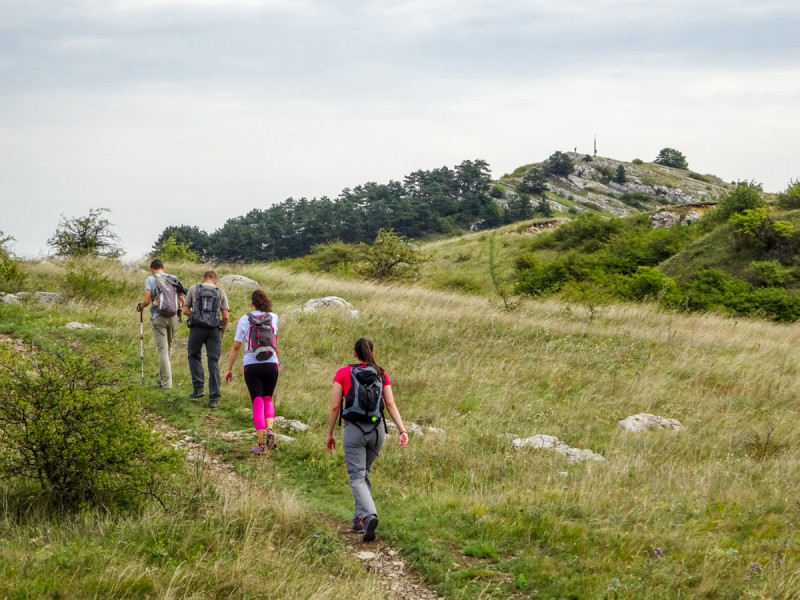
column 771, row 273
column 649, row 283
column 70, row 428
column 636, row 199
column 790, row 199
column 170, row 250
column 84, row 281
column 670, row 157
column 637, row 161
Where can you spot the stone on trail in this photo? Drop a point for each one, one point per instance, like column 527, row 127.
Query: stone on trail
column 646, row 422
column 76, row 325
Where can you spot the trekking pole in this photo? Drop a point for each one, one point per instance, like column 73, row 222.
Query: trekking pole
column 141, row 338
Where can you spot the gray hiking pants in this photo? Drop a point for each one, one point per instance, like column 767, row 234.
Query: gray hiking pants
column 361, row 448
column 212, row 338
column 164, row 333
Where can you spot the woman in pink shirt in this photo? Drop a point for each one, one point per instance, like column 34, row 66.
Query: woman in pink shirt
column 363, row 437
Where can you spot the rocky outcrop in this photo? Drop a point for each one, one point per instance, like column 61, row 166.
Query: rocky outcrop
column 43, row 297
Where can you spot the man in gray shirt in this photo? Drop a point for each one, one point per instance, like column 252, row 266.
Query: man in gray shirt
column 206, row 305
column 163, row 293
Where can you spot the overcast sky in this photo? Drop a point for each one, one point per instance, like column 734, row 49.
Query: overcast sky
column 174, row 112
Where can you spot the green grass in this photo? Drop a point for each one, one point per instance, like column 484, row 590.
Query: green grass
column 666, row 515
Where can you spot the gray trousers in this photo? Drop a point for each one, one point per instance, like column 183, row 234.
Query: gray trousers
column 212, row 338
column 164, row 333
column 361, row 448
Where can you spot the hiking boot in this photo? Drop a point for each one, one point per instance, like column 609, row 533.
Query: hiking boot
column 370, row 525
column 213, row 402
column 258, row 449
column 197, row 394
column 271, row 440
column 358, row 527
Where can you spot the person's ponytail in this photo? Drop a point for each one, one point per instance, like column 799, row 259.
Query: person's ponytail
column 364, row 353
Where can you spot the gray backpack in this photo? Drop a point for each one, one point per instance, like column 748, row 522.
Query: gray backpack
column 165, row 296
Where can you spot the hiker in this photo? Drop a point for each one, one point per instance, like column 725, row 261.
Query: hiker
column 360, row 392
column 203, row 306
column 258, row 331
column 164, row 294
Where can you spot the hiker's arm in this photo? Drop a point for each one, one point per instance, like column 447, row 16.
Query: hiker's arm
column 225, row 320
column 336, row 406
column 146, row 301
column 388, row 399
column 234, row 354
column 187, row 310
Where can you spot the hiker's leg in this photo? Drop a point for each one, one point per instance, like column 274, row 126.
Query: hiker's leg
column 160, row 334
column 269, row 381
column 213, row 352
column 259, row 422
column 375, row 441
column 194, row 349
column 355, row 458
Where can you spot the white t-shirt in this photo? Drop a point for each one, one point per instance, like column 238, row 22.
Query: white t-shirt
column 242, row 329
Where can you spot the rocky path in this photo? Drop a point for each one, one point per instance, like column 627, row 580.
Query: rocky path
column 391, row 571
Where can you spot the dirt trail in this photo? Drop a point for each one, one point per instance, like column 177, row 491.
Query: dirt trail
column 391, row 571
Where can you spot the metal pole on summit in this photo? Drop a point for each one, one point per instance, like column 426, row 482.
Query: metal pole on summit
column 141, row 338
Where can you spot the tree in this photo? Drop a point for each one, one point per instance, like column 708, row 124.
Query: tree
column 620, row 177
column 389, row 257
column 558, row 164
column 86, row 236
column 171, row 250
column 790, row 199
column 669, row 157
column 11, row 275
column 190, row 236
column 543, row 208
column 534, row 182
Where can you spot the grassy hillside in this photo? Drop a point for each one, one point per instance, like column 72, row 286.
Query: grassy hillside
column 708, row 512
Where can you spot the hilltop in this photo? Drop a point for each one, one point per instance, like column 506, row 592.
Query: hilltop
column 593, row 185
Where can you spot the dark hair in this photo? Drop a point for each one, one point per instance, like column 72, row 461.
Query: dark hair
column 210, row 275
column 157, row 264
column 364, row 352
column 261, row 301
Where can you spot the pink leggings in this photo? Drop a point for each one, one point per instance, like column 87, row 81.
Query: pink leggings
column 262, row 410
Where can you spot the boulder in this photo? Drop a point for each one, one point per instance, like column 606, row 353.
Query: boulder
column 665, row 219
column 43, row 297
column 549, row 442
column 646, row 422
column 237, row 281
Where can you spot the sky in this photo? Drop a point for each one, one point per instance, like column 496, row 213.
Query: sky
column 171, row 112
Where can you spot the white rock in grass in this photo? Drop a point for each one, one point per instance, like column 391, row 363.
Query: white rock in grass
column 292, row 424
column 365, row 555
column 284, row 438
column 237, row 281
column 646, row 422
column 76, row 325
column 549, row 442
column 316, row 304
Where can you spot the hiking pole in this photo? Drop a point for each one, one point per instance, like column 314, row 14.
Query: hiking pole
column 141, row 338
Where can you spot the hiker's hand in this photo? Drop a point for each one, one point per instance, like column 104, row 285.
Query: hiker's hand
column 331, row 445
column 139, row 307
column 229, row 376
column 403, row 439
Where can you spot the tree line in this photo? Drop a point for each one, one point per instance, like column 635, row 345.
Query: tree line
column 425, row 203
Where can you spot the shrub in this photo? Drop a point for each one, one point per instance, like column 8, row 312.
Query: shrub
column 84, row 281
column 636, row 199
column 606, row 173
column 790, row 199
column 171, row 250
column 771, row 273
column 497, row 191
column 389, row 257
column 620, row 176
column 11, row 274
column 649, row 283
column 637, row 161
column 69, row 427
column 534, row 182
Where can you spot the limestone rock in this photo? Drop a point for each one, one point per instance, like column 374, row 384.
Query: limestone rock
column 549, row 442
column 327, row 302
column 43, row 297
column 646, row 422
column 664, row 219
column 76, row 325
column 237, row 281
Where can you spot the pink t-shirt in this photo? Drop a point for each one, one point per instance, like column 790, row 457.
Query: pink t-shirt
column 342, row 377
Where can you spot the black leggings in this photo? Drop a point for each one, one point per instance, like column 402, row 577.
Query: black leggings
column 261, row 379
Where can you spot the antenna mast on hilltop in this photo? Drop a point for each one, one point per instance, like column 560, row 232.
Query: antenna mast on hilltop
column 595, row 144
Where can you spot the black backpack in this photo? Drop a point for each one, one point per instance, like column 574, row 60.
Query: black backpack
column 364, row 400
column 261, row 336
column 205, row 309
